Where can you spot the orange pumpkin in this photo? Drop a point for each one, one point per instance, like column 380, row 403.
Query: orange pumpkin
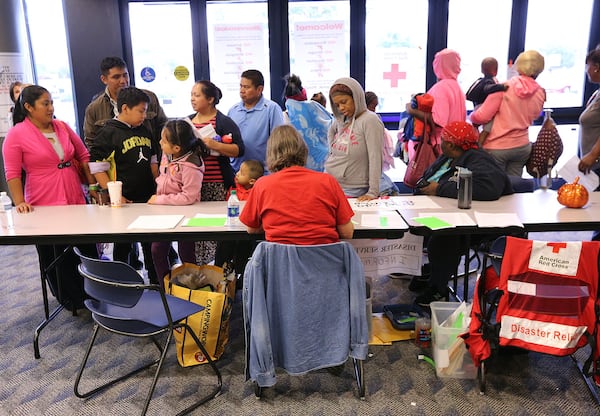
column 573, row 195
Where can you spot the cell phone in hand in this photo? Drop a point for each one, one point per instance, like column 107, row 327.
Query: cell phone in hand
column 422, row 183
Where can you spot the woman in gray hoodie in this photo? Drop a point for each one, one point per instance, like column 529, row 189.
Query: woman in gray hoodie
column 355, row 141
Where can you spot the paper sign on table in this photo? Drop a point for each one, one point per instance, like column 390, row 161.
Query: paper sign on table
column 155, row 222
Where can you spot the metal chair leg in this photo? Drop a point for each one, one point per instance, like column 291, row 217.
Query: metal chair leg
column 215, row 392
column 257, row 390
column 588, row 380
column 110, row 383
column 157, row 372
column 481, row 377
column 359, row 374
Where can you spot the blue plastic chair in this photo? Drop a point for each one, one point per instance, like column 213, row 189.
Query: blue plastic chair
column 123, row 304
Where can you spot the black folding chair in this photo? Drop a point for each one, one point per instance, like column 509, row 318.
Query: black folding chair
column 123, row 304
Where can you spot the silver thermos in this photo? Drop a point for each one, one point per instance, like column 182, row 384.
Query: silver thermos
column 465, row 188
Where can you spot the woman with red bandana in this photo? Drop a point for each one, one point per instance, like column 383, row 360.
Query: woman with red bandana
column 460, row 148
column 490, row 182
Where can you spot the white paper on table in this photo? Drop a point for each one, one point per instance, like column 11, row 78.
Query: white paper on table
column 393, row 203
column 155, row 222
column 383, row 220
column 372, row 205
column 570, row 171
column 497, row 220
column 458, row 219
column 414, row 202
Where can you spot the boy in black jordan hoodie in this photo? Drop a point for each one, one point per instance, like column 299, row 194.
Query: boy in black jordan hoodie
column 123, row 150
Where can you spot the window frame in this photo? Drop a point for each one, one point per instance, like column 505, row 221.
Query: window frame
column 437, row 39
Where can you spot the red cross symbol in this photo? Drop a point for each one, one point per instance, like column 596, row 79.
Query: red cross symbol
column 394, row 75
column 557, row 246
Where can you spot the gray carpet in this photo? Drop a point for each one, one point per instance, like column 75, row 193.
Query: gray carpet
column 397, row 383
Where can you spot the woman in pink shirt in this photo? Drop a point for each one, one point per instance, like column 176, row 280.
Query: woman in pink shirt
column 513, row 112
column 48, row 150
column 179, row 183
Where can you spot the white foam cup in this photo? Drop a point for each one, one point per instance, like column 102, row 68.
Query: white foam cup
column 115, row 192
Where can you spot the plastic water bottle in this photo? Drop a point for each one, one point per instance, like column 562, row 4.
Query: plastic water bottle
column 7, row 211
column 226, row 138
column 233, row 209
column 465, row 188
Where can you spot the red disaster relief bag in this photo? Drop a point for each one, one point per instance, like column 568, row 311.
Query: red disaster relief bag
column 550, row 291
column 548, row 300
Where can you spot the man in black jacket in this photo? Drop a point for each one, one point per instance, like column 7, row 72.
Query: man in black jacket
column 115, row 76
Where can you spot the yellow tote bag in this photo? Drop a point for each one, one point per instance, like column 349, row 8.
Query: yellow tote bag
column 210, row 325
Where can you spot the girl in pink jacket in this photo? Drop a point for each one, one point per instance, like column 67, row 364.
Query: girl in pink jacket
column 179, row 183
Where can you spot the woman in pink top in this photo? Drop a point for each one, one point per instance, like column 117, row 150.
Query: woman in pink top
column 48, row 150
column 513, row 112
column 449, row 101
column 179, row 183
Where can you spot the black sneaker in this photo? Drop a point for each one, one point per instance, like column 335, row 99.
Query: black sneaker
column 431, row 295
column 418, row 283
column 425, row 272
column 136, row 263
column 402, row 276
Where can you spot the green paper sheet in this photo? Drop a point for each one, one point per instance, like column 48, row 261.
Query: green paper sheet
column 433, row 223
column 206, row 222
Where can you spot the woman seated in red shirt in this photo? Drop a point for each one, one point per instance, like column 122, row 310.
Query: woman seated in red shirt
column 296, row 205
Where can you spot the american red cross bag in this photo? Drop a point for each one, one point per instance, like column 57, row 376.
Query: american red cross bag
column 550, row 291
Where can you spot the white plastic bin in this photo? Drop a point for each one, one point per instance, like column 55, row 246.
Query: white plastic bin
column 451, row 357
